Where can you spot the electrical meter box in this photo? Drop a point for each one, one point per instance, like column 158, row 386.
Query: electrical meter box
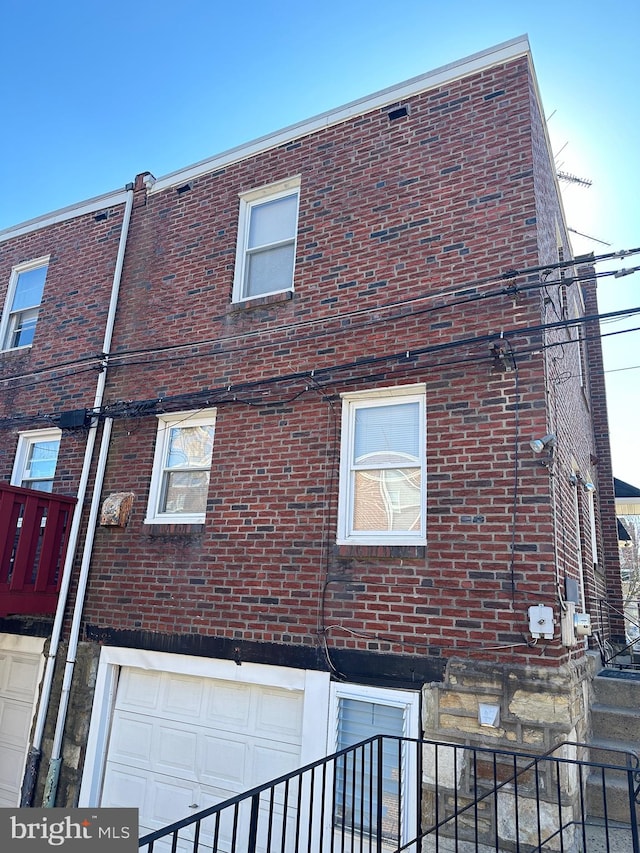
column 541, row 622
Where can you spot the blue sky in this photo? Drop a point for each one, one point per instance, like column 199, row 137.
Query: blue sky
column 94, row 93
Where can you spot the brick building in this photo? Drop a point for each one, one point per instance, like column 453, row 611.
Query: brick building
column 314, row 510
column 60, row 275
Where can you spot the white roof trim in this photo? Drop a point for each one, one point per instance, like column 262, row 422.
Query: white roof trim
column 447, row 73
column 79, row 209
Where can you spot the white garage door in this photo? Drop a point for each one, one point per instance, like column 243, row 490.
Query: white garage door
column 180, row 743
column 20, row 670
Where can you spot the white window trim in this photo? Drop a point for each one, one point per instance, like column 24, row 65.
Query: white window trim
column 247, row 201
column 406, row 699
column 591, row 497
column 13, row 283
column 165, row 422
column 579, row 530
column 25, row 441
column 412, row 393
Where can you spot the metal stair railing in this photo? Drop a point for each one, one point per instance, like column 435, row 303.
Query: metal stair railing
column 620, row 658
column 396, row 794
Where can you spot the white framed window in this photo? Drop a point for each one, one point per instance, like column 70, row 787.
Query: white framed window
column 266, row 251
column 359, row 712
column 382, row 497
column 36, row 457
column 181, row 468
column 22, row 305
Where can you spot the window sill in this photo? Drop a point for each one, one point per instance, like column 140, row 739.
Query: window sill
column 23, row 349
column 155, row 528
column 261, row 301
column 381, row 552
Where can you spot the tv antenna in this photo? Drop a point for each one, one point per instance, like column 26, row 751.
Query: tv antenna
column 573, row 179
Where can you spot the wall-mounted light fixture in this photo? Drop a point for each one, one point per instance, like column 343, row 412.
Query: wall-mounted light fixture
column 540, row 444
column 587, row 485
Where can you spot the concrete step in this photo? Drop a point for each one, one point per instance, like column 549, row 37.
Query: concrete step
column 611, row 751
column 611, row 799
column 615, row 723
column 621, row 689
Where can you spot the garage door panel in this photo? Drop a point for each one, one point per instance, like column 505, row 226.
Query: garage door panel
column 175, row 750
column 270, row 762
column 223, row 761
column 182, row 698
column 278, row 714
column 15, row 722
column 169, row 800
column 197, row 741
column 124, row 787
column 138, row 690
column 228, row 704
column 11, row 766
column 19, row 676
column 132, row 740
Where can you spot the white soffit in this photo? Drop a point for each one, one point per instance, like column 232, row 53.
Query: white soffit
column 504, row 52
column 91, row 205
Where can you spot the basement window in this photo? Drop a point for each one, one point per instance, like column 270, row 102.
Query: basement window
column 359, row 713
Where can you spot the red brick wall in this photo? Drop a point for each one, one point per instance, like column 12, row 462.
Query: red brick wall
column 59, row 371
column 575, row 401
column 609, row 587
column 394, row 217
column 405, row 231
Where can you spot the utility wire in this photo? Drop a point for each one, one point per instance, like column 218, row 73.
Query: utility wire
column 228, row 393
column 113, row 360
column 333, row 321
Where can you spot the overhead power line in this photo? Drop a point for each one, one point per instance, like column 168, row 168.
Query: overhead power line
column 227, row 394
column 463, row 294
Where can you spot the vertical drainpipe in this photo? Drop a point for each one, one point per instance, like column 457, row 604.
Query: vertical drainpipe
column 35, row 753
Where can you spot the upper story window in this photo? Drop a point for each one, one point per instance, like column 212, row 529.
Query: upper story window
column 181, row 468
column 267, row 230
column 383, row 468
column 35, row 463
column 21, row 309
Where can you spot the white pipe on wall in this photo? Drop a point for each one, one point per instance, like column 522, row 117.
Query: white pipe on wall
column 45, row 697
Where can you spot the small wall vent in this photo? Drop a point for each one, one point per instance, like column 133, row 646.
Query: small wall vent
column 399, row 112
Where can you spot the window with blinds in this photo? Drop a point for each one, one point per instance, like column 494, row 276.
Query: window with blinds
column 357, row 786
column 383, row 468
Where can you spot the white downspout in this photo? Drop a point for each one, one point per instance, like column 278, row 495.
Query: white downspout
column 43, row 706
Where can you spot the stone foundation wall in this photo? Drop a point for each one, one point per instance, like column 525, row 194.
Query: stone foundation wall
column 76, row 728
column 533, row 710
column 538, row 706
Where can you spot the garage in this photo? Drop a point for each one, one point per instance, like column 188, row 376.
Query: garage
column 21, row 663
column 179, row 742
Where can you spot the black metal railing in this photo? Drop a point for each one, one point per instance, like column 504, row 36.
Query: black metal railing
column 625, row 657
column 395, row 794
